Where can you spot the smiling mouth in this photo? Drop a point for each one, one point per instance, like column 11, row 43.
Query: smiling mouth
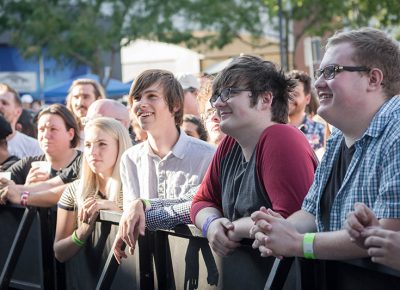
column 145, row 114
column 324, row 96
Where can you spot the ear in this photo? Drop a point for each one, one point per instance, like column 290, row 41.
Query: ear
column 71, row 133
column 308, row 98
column 265, row 99
column 176, row 109
column 375, row 79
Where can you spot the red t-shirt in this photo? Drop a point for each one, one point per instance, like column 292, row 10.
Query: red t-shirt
column 278, row 175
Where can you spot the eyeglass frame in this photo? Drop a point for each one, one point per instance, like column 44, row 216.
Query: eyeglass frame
column 208, row 113
column 216, row 95
column 338, row 69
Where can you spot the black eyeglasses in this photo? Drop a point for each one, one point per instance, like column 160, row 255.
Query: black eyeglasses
column 329, row 72
column 225, row 95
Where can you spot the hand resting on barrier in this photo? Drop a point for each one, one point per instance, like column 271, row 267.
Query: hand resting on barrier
column 132, row 224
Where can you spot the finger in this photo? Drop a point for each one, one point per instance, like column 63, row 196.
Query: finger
column 264, row 226
column 352, row 222
column 142, row 224
column 255, row 244
column 93, row 208
column 222, row 241
column 253, row 230
column 130, row 239
column 376, row 252
column 366, row 215
column 257, row 215
column 81, row 214
column 265, row 252
column 378, row 232
column 353, row 234
column 89, row 202
column 227, row 224
column 260, row 237
column 374, row 241
column 273, row 213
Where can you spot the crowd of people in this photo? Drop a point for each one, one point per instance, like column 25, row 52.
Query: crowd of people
column 252, row 162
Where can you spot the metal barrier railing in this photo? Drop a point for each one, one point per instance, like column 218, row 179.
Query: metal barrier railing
column 176, row 259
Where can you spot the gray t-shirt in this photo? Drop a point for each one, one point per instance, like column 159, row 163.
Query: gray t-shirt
column 22, row 145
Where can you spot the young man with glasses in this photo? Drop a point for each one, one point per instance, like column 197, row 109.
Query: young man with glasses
column 262, row 161
column 357, row 87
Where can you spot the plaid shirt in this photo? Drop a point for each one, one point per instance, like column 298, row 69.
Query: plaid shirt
column 168, row 213
column 373, row 176
column 314, row 131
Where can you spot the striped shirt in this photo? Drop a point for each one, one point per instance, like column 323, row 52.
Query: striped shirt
column 69, row 198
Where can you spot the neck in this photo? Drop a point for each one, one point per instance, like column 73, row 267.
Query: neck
column 14, row 132
column 297, row 119
column 162, row 143
column 355, row 129
column 61, row 160
column 103, row 180
column 250, row 137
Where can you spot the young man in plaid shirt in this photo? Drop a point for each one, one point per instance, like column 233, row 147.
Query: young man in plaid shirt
column 357, row 86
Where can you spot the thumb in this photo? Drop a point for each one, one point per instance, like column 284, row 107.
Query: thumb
column 227, row 224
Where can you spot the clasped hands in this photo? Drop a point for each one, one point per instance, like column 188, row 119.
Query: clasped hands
column 273, row 235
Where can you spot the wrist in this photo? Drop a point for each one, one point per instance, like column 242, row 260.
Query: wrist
column 77, row 240
column 24, row 198
column 146, row 204
column 308, row 245
column 207, row 223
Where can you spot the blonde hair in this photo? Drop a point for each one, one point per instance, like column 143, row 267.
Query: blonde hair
column 89, row 185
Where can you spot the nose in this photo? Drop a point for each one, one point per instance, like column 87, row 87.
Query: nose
column 320, row 82
column 78, row 101
column 215, row 117
column 218, row 103
column 46, row 133
column 92, row 150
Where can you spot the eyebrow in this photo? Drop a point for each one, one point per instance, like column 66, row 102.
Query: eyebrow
column 96, row 141
column 150, row 91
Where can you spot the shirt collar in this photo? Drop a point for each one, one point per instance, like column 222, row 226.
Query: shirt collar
column 386, row 113
column 179, row 149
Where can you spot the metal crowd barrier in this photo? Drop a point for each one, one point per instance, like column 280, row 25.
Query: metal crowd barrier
column 26, row 251
column 177, row 259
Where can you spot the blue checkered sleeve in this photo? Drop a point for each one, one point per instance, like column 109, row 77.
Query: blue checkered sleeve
column 387, row 204
column 168, row 213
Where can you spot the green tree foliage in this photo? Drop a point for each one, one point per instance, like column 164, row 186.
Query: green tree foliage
column 83, row 30
column 319, row 18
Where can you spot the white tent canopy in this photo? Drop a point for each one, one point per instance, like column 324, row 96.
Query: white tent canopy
column 144, row 54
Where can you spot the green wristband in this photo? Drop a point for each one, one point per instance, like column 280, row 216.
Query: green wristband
column 146, row 204
column 308, row 245
column 77, row 241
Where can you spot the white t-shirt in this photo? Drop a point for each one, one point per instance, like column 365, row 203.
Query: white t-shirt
column 22, row 145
